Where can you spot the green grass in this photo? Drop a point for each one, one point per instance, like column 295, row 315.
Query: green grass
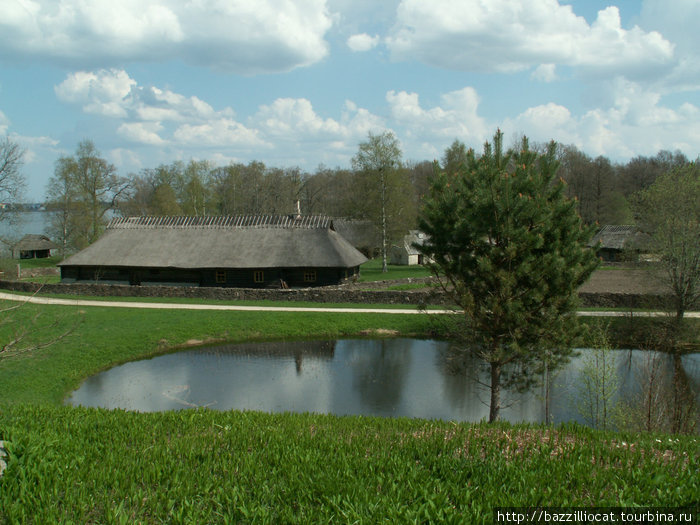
column 48, row 262
column 97, row 466
column 372, row 271
column 408, row 286
column 77, row 465
column 108, row 336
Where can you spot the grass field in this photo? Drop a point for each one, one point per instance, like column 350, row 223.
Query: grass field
column 47, row 262
column 372, row 271
column 76, row 465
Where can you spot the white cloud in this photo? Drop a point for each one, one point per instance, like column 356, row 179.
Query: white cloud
column 33, row 146
column 155, row 104
column 286, row 116
column 112, row 93
column 545, row 73
column 637, row 123
column 142, row 132
column 512, row 35
column 456, row 117
column 125, row 157
column 362, row 42
column 239, row 36
column 151, row 116
column 220, row 132
column 103, row 92
column 358, row 122
column 677, row 21
column 544, row 123
column 4, row 123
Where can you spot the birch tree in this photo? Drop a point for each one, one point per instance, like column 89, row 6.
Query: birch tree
column 377, row 162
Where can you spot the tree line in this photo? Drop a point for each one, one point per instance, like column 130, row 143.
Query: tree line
column 380, row 187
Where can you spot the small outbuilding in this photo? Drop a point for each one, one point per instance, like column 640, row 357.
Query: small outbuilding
column 616, row 243
column 232, row 251
column 33, row 246
column 406, row 253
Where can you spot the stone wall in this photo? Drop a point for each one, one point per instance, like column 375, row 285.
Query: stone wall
column 40, row 272
column 339, row 294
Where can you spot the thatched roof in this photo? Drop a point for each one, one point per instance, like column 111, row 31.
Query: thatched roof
column 614, row 237
column 220, row 242
column 34, row 242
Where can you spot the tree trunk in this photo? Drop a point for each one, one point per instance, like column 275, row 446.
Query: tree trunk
column 495, row 406
column 546, row 387
column 383, row 182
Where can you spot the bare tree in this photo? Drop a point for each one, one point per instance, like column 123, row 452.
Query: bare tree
column 84, row 189
column 25, row 336
column 11, row 179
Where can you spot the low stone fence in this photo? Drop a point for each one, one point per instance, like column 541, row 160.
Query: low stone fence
column 331, row 294
column 40, row 272
column 316, row 295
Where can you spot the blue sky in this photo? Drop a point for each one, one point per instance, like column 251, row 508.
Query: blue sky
column 300, row 83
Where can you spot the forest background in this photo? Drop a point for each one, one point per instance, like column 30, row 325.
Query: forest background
column 85, row 189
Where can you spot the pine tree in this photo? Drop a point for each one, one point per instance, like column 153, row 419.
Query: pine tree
column 510, row 248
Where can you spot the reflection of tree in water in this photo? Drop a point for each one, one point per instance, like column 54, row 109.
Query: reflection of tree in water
column 462, row 374
column 466, row 379
column 660, row 393
column 298, row 350
column 379, row 371
column 685, row 417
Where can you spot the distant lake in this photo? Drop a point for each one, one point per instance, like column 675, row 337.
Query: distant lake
column 387, row 377
column 27, row 222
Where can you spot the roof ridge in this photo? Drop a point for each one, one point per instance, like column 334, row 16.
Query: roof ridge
column 221, row 221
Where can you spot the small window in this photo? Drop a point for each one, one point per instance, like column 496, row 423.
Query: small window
column 259, row 276
column 310, row 276
column 220, row 276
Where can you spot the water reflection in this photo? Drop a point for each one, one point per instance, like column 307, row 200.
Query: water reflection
column 387, row 377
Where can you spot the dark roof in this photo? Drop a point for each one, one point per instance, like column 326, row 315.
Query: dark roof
column 34, row 242
column 271, row 241
column 614, row 237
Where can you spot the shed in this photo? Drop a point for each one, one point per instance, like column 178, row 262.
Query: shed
column 33, row 246
column 614, row 241
column 405, row 253
column 226, row 251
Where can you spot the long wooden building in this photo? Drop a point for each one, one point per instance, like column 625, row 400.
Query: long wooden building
column 240, row 251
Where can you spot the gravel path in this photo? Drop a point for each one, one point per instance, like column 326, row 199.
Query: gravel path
column 228, row 307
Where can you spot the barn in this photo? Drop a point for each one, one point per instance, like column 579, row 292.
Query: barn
column 33, row 246
column 616, row 243
column 232, row 251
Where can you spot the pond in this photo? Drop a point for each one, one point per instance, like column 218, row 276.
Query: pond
column 386, row 377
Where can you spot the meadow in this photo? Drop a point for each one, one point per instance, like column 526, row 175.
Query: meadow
column 78, row 465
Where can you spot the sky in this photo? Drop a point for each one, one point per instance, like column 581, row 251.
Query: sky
column 300, row 83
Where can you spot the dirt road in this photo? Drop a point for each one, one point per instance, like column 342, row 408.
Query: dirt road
column 228, row 307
